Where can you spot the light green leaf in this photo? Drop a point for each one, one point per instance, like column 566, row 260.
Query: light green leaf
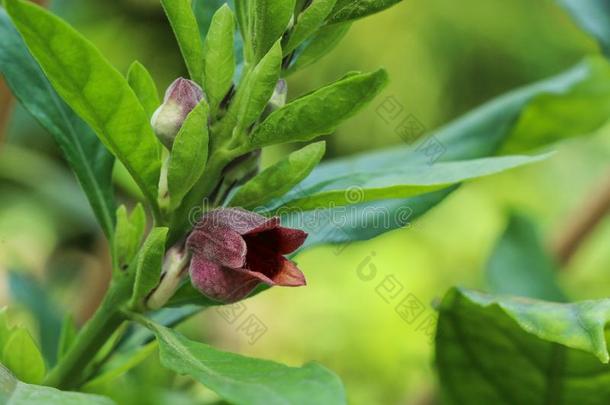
column 347, row 10
column 128, row 235
column 93, row 89
column 270, row 19
column 593, row 16
column 404, row 181
column 492, row 350
column 89, row 159
column 519, row 264
column 324, row 41
column 14, row 392
column 219, row 57
column 189, row 154
column 254, row 92
column 278, row 179
column 184, row 24
column 308, row 23
column 67, row 336
column 144, row 87
column 149, row 265
column 241, row 380
column 320, row 112
column 21, row 355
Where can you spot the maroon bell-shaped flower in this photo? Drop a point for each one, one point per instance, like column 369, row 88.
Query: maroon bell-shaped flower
column 235, row 250
column 180, row 99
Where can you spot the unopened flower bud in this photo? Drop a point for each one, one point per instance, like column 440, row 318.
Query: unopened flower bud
column 180, row 99
column 278, row 99
column 235, row 250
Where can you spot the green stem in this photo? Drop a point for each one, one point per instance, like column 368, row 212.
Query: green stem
column 68, row 372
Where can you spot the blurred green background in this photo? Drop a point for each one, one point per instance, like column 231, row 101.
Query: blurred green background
column 444, row 58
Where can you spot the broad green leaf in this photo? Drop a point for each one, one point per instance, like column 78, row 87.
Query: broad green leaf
column 492, row 350
column 278, row 179
column 67, row 337
column 21, row 355
column 184, row 24
column 347, row 10
column 242, row 11
column 479, row 133
column 270, row 19
column 5, row 330
column 15, row 392
column 144, row 86
column 321, row 111
column 593, row 16
column 204, row 11
column 404, row 181
column 149, row 265
column 255, row 91
column 325, row 40
column 93, row 89
column 308, row 23
column 189, row 154
column 242, row 380
column 219, row 57
column 519, row 264
column 128, row 235
column 89, row 159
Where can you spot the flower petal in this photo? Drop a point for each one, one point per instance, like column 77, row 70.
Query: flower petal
column 287, row 240
column 241, row 221
column 288, row 275
column 220, row 245
column 220, row 283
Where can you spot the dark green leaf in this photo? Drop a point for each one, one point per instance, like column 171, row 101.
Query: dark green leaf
column 94, row 89
column 320, row 112
column 242, row 380
column 84, row 152
column 144, row 86
column 308, row 23
column 189, row 154
column 347, row 10
column 517, row 351
column 21, row 355
column 184, row 24
column 325, row 40
column 270, row 20
column 593, row 16
column 219, row 57
column 14, row 392
column 149, row 265
column 67, row 336
column 519, row 265
column 278, row 179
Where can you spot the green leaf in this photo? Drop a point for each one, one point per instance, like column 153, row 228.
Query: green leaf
column 184, row 24
column 149, row 265
column 93, row 89
column 14, row 392
column 492, row 350
column 21, row 355
column 400, row 182
column 320, row 112
column 308, row 23
column 89, row 159
column 270, row 19
column 219, row 57
column 189, row 154
column 128, row 235
column 144, row 86
column 67, row 337
column 254, row 92
column 348, row 10
column 325, row 40
column 242, row 380
column 593, row 16
column 519, row 264
column 278, row 179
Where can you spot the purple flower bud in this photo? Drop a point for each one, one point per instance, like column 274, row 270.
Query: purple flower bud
column 180, row 99
column 235, row 250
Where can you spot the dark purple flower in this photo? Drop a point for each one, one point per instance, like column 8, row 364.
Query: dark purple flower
column 235, row 250
column 180, row 99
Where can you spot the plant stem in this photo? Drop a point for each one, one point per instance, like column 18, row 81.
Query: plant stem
column 584, row 221
column 68, row 372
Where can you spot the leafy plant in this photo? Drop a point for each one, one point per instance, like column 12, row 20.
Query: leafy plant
column 212, row 230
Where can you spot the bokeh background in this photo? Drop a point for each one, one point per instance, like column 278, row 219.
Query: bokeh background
column 444, row 58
